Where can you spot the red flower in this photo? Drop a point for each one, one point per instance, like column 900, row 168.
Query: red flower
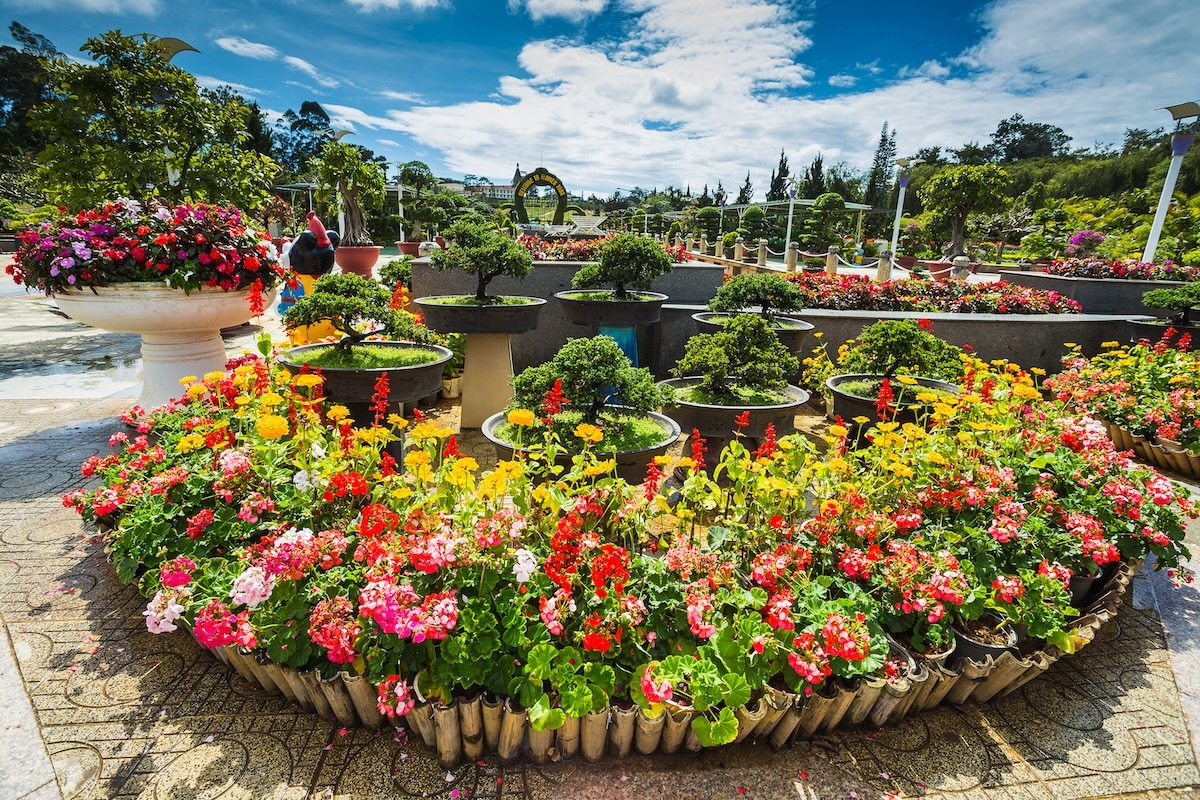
column 553, row 402
column 743, row 419
column 883, row 403
column 597, row 642
column 379, row 400
column 925, row 324
column 257, row 302
column 698, row 449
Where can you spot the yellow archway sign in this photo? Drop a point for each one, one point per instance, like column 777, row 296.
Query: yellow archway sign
column 540, row 177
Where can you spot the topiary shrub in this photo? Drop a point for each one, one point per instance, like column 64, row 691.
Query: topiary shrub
column 480, row 250
column 746, row 354
column 625, row 260
column 771, row 292
column 900, row 346
column 397, row 272
column 356, row 308
column 1180, row 301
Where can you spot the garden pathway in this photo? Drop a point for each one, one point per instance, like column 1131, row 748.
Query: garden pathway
column 95, row 707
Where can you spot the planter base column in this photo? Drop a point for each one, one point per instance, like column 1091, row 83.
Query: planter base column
column 487, row 377
column 167, row 355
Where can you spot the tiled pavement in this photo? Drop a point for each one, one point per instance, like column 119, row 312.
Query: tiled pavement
column 95, row 707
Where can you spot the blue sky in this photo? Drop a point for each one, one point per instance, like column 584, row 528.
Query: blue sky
column 618, row 93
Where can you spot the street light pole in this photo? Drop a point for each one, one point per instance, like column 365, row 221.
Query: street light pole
column 400, row 198
column 901, row 179
column 1180, row 142
column 793, row 190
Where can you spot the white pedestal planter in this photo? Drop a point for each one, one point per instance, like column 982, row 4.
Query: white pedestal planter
column 181, row 334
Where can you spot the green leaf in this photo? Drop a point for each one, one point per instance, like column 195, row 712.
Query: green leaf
column 737, row 690
column 540, row 663
column 721, row 731
column 576, row 699
column 542, row 716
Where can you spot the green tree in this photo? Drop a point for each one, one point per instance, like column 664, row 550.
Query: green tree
column 754, row 220
column 779, row 178
column 417, row 176
column 957, row 191
column 346, row 172
column 822, row 221
column 21, row 88
column 299, row 136
column 813, row 184
column 879, row 179
column 132, row 124
column 708, row 220
column 746, row 193
column 1016, row 139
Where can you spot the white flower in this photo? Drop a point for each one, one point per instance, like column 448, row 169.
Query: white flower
column 162, row 611
column 252, row 587
column 525, row 567
column 316, row 450
column 300, row 479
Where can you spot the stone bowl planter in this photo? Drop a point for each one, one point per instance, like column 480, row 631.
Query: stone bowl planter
column 717, row 421
column 354, row 388
column 848, row 406
column 471, row 318
column 631, row 464
column 643, row 308
column 1096, row 295
column 1153, row 330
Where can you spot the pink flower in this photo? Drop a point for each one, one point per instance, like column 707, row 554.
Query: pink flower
column 162, row 611
column 177, row 572
column 214, row 626
column 394, row 697
column 252, row 586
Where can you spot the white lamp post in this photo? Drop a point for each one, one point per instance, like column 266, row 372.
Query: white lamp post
column 793, row 191
column 902, row 179
column 400, row 198
column 1180, row 142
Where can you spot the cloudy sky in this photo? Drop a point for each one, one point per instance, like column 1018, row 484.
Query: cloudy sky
column 623, row 93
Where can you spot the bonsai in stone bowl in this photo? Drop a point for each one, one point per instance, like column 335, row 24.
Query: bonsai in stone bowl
column 479, row 249
column 773, row 296
column 626, row 262
column 1183, row 303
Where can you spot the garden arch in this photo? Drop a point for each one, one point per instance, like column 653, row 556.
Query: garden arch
column 540, row 177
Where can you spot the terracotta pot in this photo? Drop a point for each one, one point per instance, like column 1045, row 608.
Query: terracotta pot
column 357, row 260
column 408, row 248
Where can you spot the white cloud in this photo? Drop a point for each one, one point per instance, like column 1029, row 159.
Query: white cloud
column 842, row 81
column 871, row 67
column 148, row 7
column 246, row 48
column 209, row 82
column 571, row 10
column 311, row 71
column 402, row 97
column 392, row 5
column 1093, row 67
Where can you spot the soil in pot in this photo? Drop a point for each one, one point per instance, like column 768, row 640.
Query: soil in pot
column 983, row 637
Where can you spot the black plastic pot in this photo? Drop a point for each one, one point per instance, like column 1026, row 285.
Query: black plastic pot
column 642, row 308
column 848, row 406
column 792, row 335
column 631, row 464
column 717, row 421
column 966, row 648
column 471, row 318
column 354, row 388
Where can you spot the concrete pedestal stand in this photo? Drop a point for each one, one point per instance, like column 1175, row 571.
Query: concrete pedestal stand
column 487, row 377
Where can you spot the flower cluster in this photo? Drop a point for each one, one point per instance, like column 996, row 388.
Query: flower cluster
column 582, row 249
column 1127, row 270
column 187, row 246
column 860, row 293
column 569, row 588
column 1150, row 390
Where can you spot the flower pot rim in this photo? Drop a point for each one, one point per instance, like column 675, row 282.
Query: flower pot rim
column 798, row 325
column 635, row 296
column 799, row 397
column 445, row 354
column 834, row 381
column 1007, row 628
column 488, row 426
column 430, row 300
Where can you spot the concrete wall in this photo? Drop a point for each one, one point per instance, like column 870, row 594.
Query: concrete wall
column 1096, row 295
column 692, row 284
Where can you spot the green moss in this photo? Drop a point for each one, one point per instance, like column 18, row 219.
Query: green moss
column 621, row 432
column 869, row 390
column 777, row 323
column 607, row 296
column 367, row 356
column 469, row 300
column 741, row 396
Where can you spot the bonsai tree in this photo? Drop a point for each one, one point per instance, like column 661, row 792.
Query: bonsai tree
column 900, row 346
column 771, row 292
column 1180, row 301
column 484, row 252
column 585, row 379
column 745, row 355
column 344, row 171
column 625, row 260
column 957, row 191
column 356, row 308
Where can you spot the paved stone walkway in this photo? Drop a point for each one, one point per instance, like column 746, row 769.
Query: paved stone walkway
column 95, row 707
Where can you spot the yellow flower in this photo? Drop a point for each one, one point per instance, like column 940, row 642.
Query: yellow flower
column 838, row 430
column 1026, row 392
column 521, row 417
column 429, row 430
column 831, row 508
column 214, row 376
column 418, row 463
column 686, row 462
column 401, row 492
column 1037, row 371
column 861, row 420
column 190, row 442
column 838, row 465
column 337, row 413
column 1110, row 344
column 196, row 389
column 272, row 426
column 309, row 380
column 283, row 376
column 588, row 433
column 186, row 379
column 271, row 399
column 600, row 467
column 927, row 397
column 241, row 400
column 398, row 422
column 935, row 458
column 907, row 380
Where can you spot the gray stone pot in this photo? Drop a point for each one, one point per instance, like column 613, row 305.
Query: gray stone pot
column 717, row 421
column 353, row 388
column 1154, row 330
column 471, row 318
column 792, row 335
column 848, row 406
column 631, row 464
column 646, row 309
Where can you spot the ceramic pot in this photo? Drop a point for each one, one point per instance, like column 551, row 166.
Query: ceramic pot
column 181, row 333
column 357, row 260
column 470, row 318
column 718, row 421
column 792, row 334
column 848, row 406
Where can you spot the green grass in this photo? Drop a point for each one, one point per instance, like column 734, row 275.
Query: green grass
column 742, row 396
column 777, row 322
column 469, row 300
column 368, row 356
column 606, row 296
column 621, row 432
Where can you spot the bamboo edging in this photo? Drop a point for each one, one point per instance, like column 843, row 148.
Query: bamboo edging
column 1167, row 455
column 472, row 727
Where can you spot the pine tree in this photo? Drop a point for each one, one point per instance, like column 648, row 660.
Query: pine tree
column 880, row 178
column 814, row 184
column 779, row 178
column 746, row 192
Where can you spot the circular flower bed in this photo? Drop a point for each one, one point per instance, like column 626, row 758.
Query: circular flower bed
column 860, row 293
column 251, row 512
